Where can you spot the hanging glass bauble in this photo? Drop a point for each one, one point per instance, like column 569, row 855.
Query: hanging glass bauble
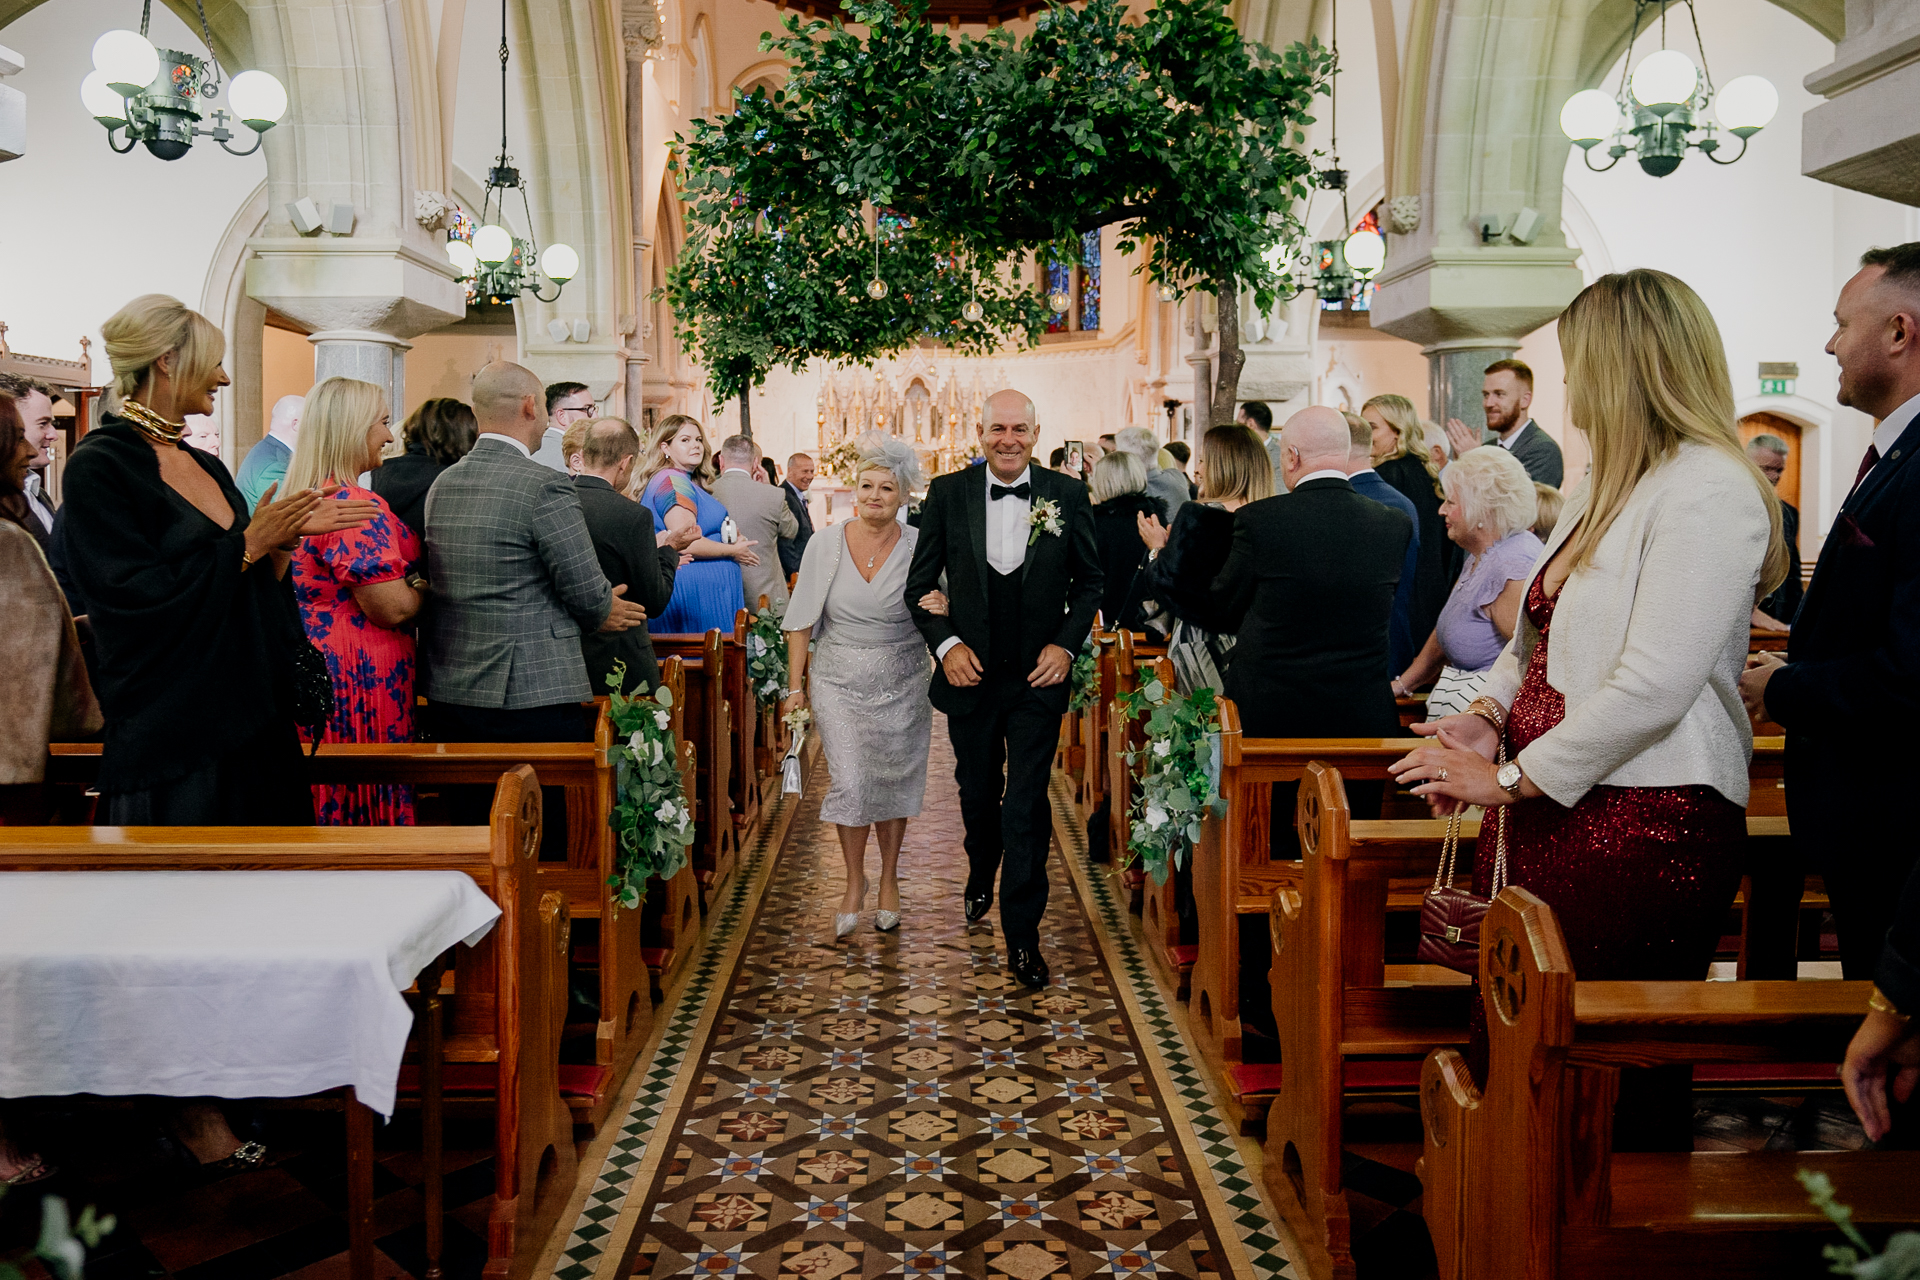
column 876, row 288
column 1059, row 300
column 973, row 311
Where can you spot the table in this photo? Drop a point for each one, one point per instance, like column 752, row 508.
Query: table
column 232, row 984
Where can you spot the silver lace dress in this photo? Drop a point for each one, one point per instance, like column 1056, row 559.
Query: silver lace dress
column 869, row 674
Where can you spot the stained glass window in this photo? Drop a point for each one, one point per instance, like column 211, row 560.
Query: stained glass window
column 1090, row 281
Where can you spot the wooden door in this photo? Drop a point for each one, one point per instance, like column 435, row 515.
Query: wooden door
column 1771, row 424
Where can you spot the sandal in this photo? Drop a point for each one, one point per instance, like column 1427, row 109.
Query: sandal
column 249, row 1155
column 34, row 1169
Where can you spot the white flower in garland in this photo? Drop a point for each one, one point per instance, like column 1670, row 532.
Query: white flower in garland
column 1156, row 816
column 662, row 720
column 1044, row 517
column 667, row 811
column 638, row 742
column 1162, row 748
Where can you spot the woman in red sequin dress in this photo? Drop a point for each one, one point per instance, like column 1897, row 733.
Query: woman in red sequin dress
column 1618, row 697
column 356, row 600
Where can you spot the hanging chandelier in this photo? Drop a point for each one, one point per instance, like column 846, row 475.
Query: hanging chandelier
column 1658, row 111
column 1338, row 271
column 494, row 263
column 154, row 95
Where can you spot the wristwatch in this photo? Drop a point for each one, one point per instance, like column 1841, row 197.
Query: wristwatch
column 1508, row 776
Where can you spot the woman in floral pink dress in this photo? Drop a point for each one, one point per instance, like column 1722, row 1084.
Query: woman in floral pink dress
column 359, row 591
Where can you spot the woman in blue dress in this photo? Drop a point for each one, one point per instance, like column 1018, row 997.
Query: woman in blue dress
column 672, row 481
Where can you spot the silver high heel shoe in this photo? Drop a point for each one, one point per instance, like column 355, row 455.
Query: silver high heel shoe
column 885, row 921
column 845, row 921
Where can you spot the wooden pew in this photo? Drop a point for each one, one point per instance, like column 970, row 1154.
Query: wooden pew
column 1521, row 1182
column 582, row 769
column 1159, row 903
column 1234, row 875
column 743, row 778
column 1343, row 1014
column 510, row 989
column 670, row 917
column 1094, row 720
column 710, row 726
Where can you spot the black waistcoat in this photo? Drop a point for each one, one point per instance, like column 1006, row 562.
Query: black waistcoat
column 1003, row 607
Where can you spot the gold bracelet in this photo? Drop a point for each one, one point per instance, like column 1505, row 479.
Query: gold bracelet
column 1878, row 1003
column 246, row 558
column 1489, row 710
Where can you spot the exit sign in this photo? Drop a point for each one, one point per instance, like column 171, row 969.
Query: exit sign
column 1776, row 377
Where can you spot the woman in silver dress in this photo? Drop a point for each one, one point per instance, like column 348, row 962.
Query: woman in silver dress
column 870, row 672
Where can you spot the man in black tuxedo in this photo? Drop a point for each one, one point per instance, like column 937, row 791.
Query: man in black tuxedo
column 1023, row 582
column 800, row 473
column 1848, row 692
column 629, row 552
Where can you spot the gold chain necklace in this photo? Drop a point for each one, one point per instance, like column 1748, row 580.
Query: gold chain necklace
column 152, row 425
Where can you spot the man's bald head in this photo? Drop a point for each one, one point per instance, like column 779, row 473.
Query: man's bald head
column 1315, row 439
column 508, row 400
column 1008, row 432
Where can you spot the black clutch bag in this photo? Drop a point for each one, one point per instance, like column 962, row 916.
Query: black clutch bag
column 312, row 691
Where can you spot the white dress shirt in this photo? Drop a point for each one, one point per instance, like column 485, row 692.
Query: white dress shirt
column 1328, row 473
column 518, row 444
column 1008, row 528
column 1506, row 441
column 1890, row 429
column 41, row 511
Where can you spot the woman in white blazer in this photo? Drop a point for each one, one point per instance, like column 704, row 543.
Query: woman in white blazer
column 1617, row 700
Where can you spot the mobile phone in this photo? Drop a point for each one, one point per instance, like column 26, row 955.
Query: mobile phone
column 1076, row 456
column 729, row 532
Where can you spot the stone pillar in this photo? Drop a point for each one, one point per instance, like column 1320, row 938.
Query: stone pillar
column 1201, row 359
column 1455, row 371
column 364, row 354
column 1865, row 136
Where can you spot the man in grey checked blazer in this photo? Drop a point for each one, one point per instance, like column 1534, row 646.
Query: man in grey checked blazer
column 515, row 579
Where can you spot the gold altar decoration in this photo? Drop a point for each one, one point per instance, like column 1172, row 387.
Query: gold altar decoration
column 934, row 404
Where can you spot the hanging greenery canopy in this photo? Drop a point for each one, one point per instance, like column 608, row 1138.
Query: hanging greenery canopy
column 974, row 152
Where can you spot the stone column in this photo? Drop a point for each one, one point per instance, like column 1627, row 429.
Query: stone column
column 1455, row 371
column 364, row 354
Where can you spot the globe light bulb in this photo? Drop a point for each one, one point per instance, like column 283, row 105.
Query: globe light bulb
column 973, row 311
column 560, row 263
column 258, row 99
column 876, row 288
column 461, row 254
column 1059, row 300
column 1745, row 106
column 1366, row 252
column 1589, row 116
column 1168, row 293
column 103, row 101
column 1664, row 80
column 127, row 59
column 492, row 244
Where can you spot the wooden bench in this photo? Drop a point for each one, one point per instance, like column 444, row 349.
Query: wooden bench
column 582, row 770
column 709, row 720
column 510, row 989
column 1171, row 958
column 1233, row 875
column 1094, row 724
column 1521, row 1181
column 744, row 776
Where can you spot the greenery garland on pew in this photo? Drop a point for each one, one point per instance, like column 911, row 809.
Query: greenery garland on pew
column 767, row 659
column 63, row 1241
column 1085, row 678
column 652, row 817
column 1900, row 1260
column 1176, row 788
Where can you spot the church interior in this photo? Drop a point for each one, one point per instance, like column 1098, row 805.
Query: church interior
column 1245, row 1061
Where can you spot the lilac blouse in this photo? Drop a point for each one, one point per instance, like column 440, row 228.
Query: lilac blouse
column 1467, row 636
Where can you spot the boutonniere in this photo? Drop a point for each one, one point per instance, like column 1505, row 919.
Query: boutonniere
column 1044, row 517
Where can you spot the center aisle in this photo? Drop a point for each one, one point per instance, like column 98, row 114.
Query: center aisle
column 898, row 1105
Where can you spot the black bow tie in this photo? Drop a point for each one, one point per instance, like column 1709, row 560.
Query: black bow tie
column 1019, row 491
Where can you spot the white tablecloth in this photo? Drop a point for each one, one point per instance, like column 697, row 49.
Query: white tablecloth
column 233, row 984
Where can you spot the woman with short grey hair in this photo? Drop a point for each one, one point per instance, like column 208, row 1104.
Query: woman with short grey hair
column 847, row 626
column 1120, row 498
column 1489, row 512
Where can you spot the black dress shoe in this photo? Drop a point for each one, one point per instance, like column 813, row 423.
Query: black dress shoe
column 1028, row 966
column 977, row 904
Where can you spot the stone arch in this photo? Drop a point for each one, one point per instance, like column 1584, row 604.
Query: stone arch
column 224, row 300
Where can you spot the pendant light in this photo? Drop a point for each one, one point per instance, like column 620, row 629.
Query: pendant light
column 155, row 95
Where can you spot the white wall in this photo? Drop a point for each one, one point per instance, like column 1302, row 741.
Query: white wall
column 1765, row 247
column 82, row 231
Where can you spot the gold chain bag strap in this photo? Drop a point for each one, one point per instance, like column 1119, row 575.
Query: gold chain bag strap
column 1449, row 917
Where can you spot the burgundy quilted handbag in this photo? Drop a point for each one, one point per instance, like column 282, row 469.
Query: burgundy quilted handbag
column 1449, row 917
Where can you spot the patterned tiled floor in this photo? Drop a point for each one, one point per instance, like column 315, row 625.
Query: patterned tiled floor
column 900, row 1106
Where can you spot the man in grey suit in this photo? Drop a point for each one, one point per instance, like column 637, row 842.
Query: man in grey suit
column 515, row 581
column 1506, row 394
column 629, row 550
column 760, row 514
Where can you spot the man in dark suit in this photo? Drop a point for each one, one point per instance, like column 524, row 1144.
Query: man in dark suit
column 1775, row 613
column 1023, row 580
column 33, row 401
column 629, row 552
column 1506, row 394
column 1848, row 692
column 800, row 473
column 1402, row 644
